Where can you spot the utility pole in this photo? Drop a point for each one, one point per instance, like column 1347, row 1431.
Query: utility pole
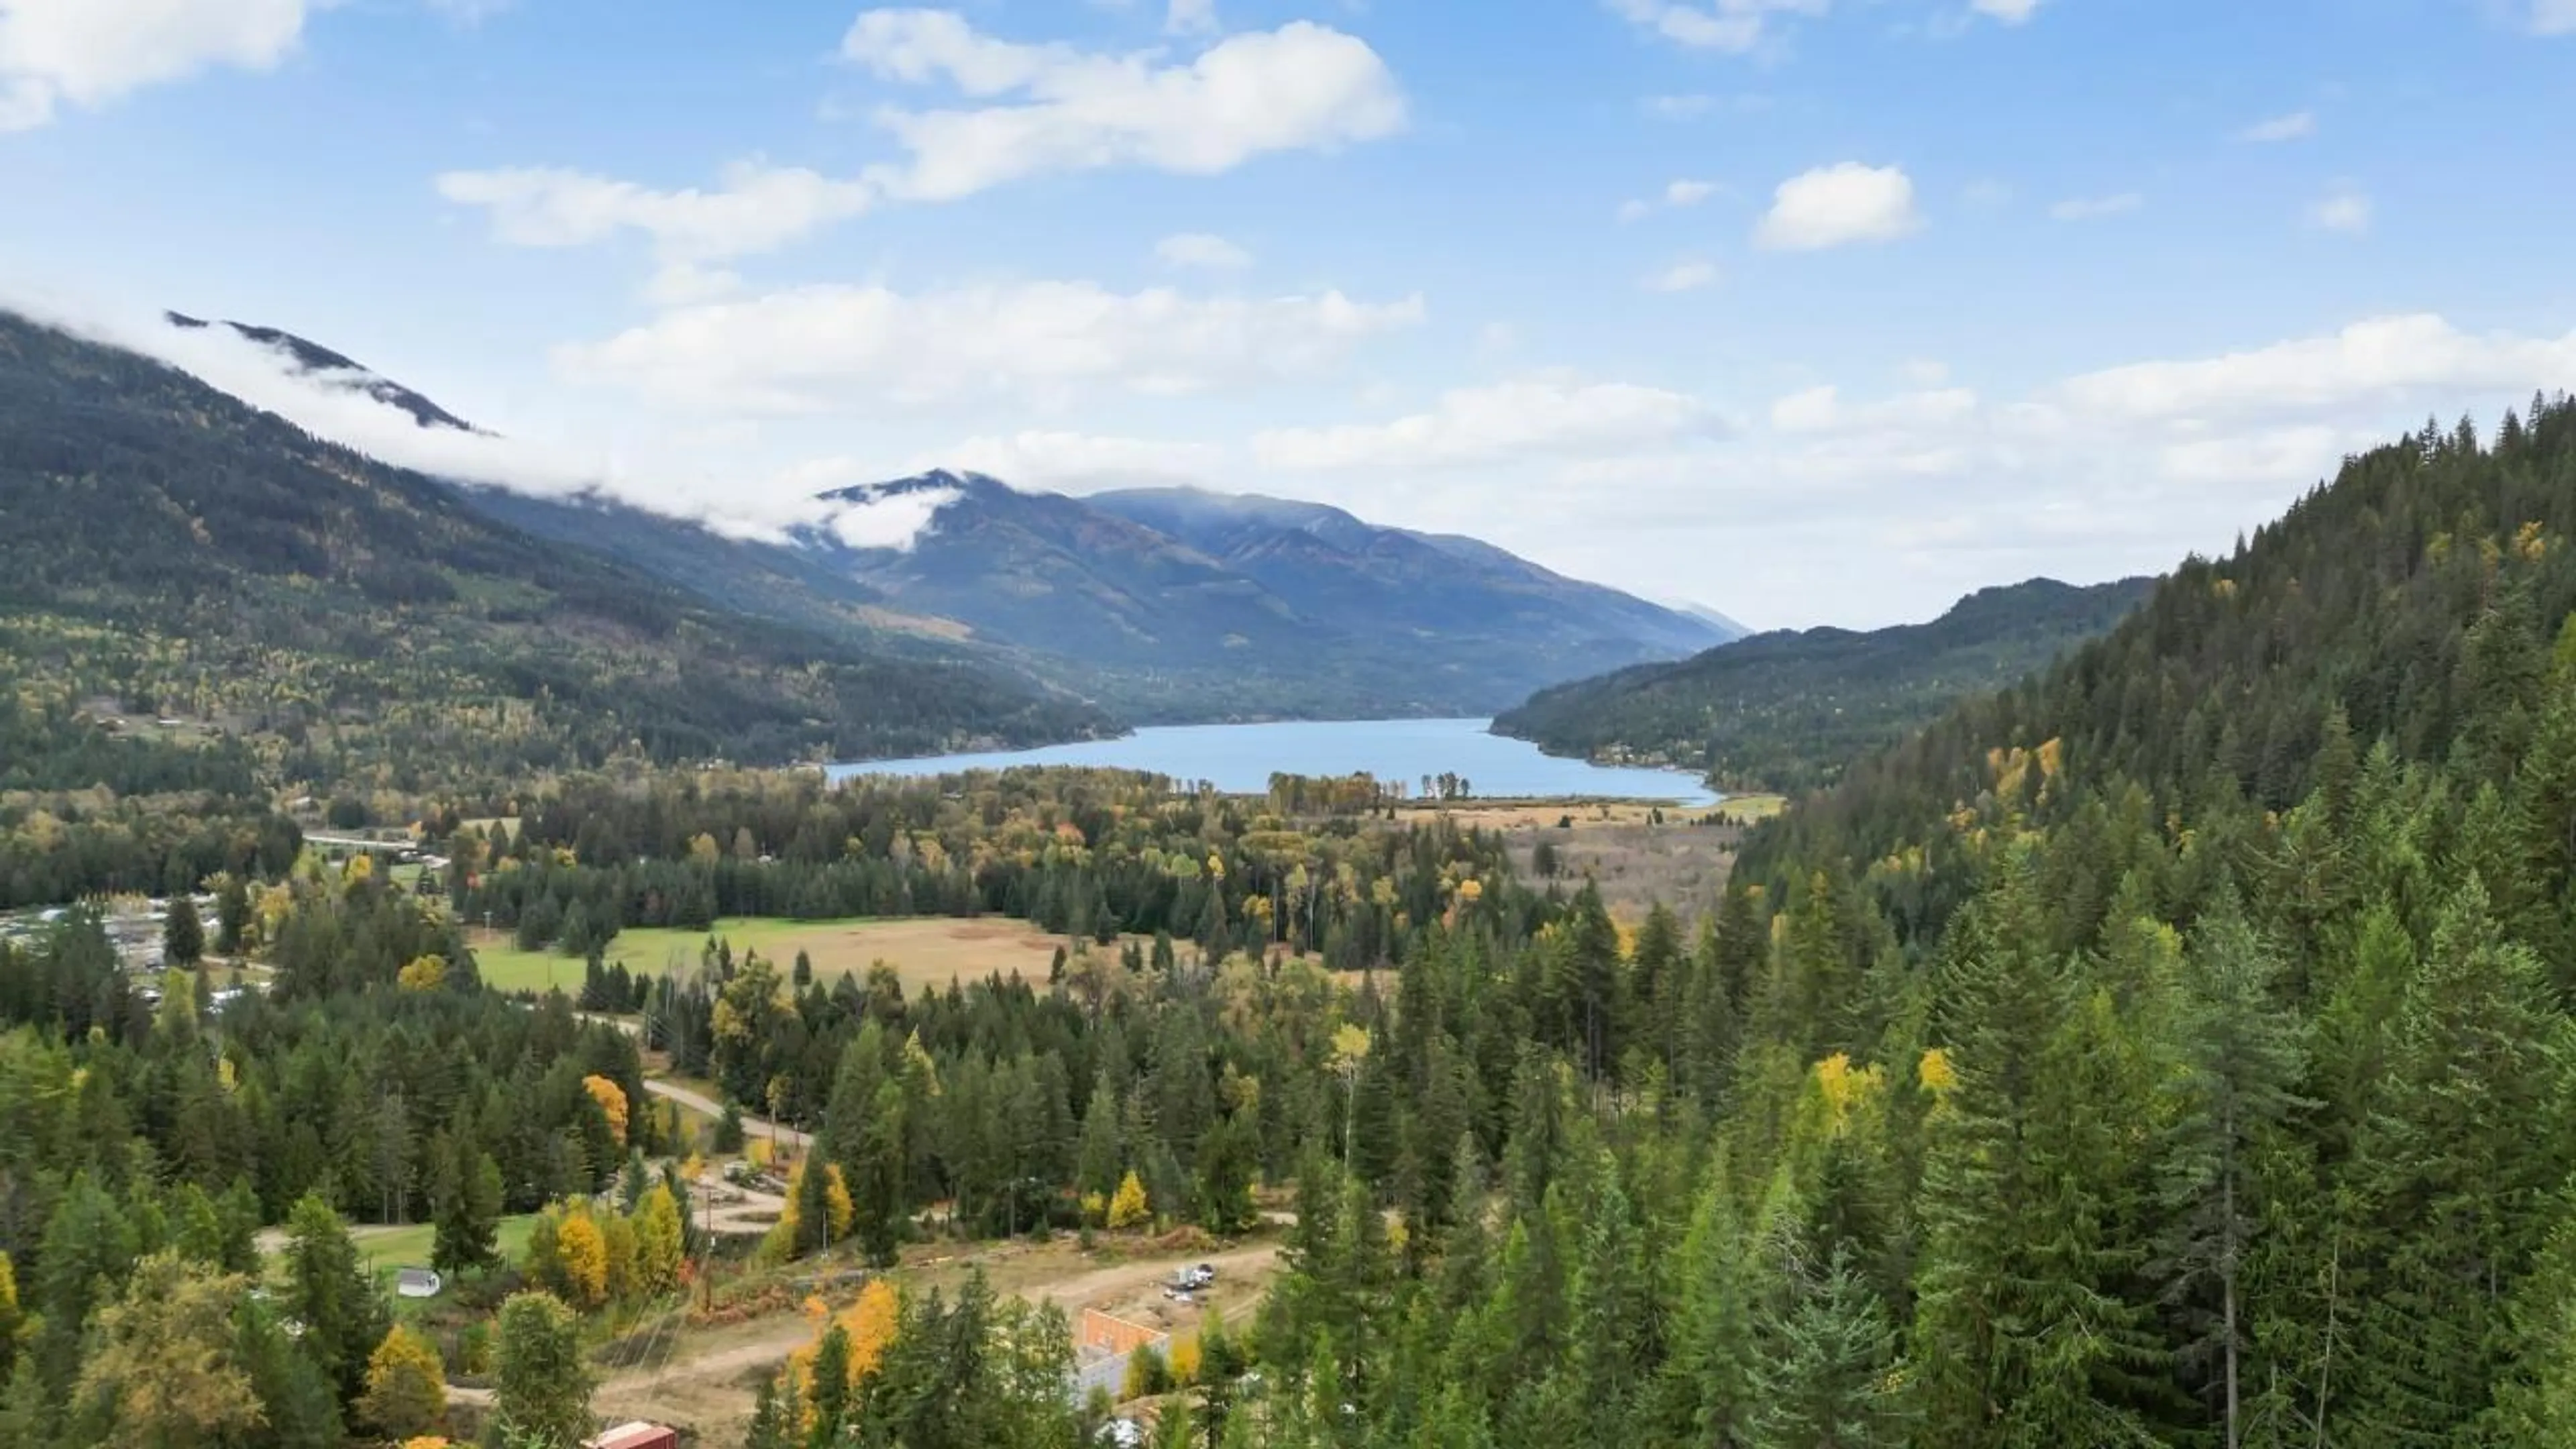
column 706, row 1246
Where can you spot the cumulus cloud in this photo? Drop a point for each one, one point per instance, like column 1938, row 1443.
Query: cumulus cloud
column 2343, row 209
column 1301, row 87
column 884, row 520
column 1078, row 462
column 88, row 53
column 1870, row 508
column 1190, row 17
column 815, row 348
column 1835, row 206
column 1730, row 26
column 1685, row 276
column 2368, row 365
column 1822, row 410
column 1199, row 249
column 329, row 406
column 756, row 208
column 2094, row 208
column 2297, row 125
column 1544, row 414
column 1053, row 108
column 1676, row 195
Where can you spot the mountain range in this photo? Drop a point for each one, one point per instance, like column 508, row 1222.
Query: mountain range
column 172, row 553
column 1787, row 710
column 1160, row 605
column 270, row 581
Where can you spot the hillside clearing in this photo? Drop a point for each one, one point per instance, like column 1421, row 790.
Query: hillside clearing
column 923, row 950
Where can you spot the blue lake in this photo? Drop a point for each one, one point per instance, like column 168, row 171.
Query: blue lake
column 1239, row 759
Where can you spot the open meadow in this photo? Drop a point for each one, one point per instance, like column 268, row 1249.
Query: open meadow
column 923, row 950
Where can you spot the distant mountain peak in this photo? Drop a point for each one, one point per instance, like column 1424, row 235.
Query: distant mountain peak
column 334, row 369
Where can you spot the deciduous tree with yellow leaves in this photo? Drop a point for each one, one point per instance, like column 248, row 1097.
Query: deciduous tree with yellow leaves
column 1128, row 1209
column 612, row 1103
column 406, row 1386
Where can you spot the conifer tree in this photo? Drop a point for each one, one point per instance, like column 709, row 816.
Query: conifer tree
column 183, row 935
column 1824, row 1377
column 542, row 1387
column 2017, row 1333
column 2454, row 1177
column 2242, row 1055
column 329, row 1291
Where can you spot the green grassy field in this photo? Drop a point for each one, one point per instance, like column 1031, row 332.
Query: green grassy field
column 388, row 1249
column 391, row 1248
column 923, row 950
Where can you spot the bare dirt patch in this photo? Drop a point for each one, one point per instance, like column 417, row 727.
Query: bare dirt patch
column 706, row 1379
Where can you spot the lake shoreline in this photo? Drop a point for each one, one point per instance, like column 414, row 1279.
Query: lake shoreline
column 1452, row 761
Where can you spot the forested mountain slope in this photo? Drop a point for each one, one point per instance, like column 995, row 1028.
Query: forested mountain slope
column 1183, row 605
column 1788, row 710
column 1354, row 575
column 1163, row 605
column 176, row 551
column 2219, row 979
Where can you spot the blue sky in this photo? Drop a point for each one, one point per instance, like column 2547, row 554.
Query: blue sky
column 1817, row 311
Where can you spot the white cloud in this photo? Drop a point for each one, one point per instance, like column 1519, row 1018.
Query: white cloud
column 1865, row 509
column 88, row 53
column 820, row 348
column 758, row 208
column 327, row 406
column 2093, row 208
column 1822, row 410
column 2369, row 365
column 2010, row 12
column 1078, row 462
column 1542, row 414
column 1732, row 26
column 1684, row 107
column 2297, row 125
column 878, row 519
column 2343, row 210
column 1810, row 411
column 1684, row 276
column 1838, row 205
column 1300, row 87
column 1199, row 249
column 1188, row 17
column 2553, row 17
column 1676, row 195
column 1925, row 372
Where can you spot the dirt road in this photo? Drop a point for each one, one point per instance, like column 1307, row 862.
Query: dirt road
column 751, row 1126
column 697, row 1380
